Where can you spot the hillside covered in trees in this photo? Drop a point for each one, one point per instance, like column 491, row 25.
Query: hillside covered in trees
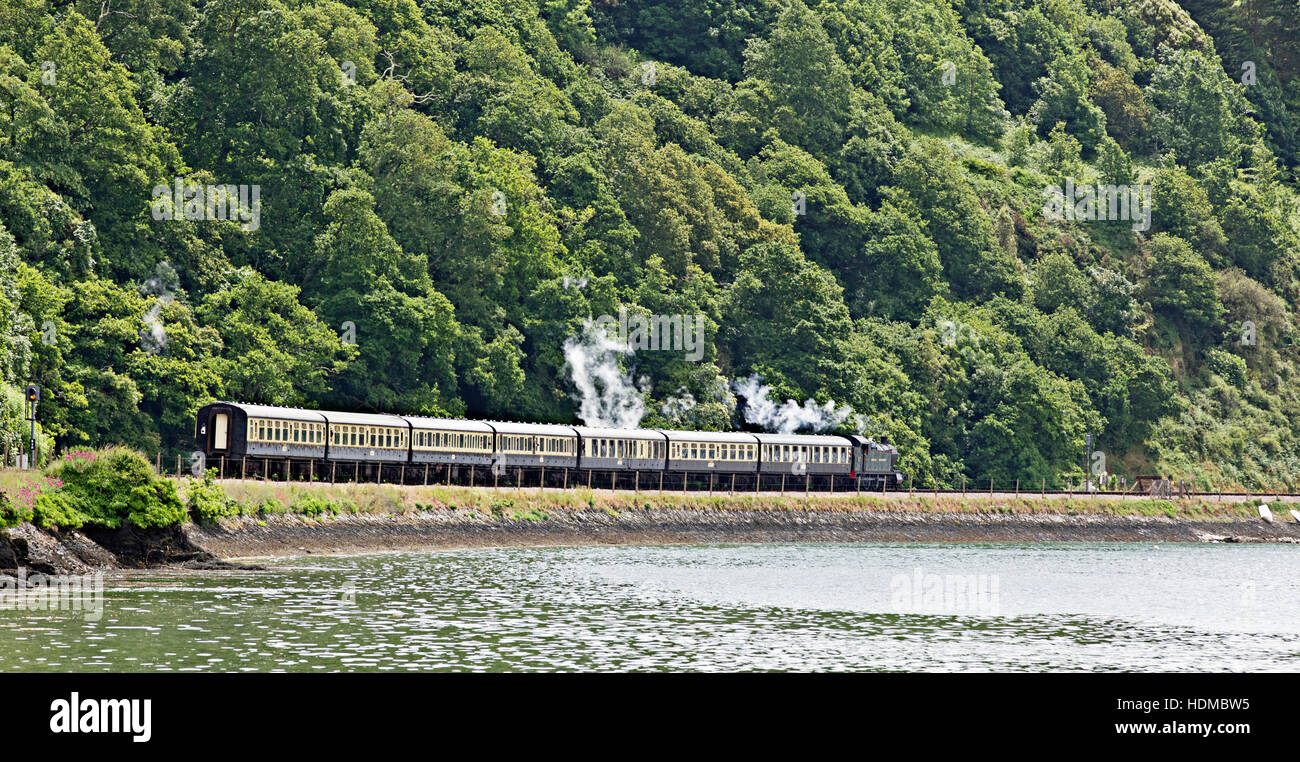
column 857, row 195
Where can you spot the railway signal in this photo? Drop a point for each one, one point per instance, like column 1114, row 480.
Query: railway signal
column 33, row 396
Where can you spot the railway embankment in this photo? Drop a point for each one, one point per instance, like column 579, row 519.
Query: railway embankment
column 219, row 521
column 267, row 519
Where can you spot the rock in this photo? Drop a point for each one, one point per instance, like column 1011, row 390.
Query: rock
column 133, row 546
column 1265, row 513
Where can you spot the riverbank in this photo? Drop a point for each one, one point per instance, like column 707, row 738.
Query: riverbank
column 379, row 518
column 254, row 519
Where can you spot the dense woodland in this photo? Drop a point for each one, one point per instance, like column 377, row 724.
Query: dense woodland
column 851, row 192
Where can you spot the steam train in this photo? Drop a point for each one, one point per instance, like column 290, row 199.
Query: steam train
column 234, row 432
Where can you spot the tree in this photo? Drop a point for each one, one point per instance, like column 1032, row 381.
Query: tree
column 1181, row 283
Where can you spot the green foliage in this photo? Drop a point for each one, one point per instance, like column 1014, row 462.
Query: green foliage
column 11, row 512
column 1181, row 283
column 115, row 485
column 850, row 192
column 207, row 502
column 53, row 510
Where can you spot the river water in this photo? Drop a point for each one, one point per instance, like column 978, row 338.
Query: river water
column 805, row 607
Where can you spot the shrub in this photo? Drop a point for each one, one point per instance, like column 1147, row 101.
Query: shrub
column 1231, row 367
column 313, row 505
column 53, row 510
column 12, row 513
column 270, row 507
column 118, row 485
column 208, row 502
column 155, row 505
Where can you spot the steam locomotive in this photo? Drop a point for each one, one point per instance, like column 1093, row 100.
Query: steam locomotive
column 236, row 431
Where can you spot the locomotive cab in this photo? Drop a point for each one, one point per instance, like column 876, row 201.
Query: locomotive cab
column 875, row 462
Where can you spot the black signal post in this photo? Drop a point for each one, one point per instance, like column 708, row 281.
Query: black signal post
column 33, row 397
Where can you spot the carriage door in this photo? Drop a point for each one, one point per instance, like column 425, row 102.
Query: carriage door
column 220, row 431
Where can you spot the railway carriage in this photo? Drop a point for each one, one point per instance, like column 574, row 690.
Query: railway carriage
column 368, row 438
column 805, row 454
column 235, row 430
column 535, row 444
column 725, row 452
column 621, row 449
column 443, row 441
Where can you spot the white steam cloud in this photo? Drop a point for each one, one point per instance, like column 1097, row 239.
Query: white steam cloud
column 675, row 408
column 154, row 337
column 605, row 393
column 789, row 416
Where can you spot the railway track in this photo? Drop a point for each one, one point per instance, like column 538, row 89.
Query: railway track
column 533, row 478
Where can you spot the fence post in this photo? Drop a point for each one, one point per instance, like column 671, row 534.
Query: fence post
column 990, row 486
column 157, row 467
column 963, row 486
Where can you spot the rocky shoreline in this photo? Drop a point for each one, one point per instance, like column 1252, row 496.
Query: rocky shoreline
column 213, row 546
column 451, row 529
column 43, row 551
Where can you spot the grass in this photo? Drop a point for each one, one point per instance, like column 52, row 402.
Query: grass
column 327, row 501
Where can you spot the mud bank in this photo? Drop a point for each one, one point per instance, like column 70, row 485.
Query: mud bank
column 244, row 537
column 77, row 552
